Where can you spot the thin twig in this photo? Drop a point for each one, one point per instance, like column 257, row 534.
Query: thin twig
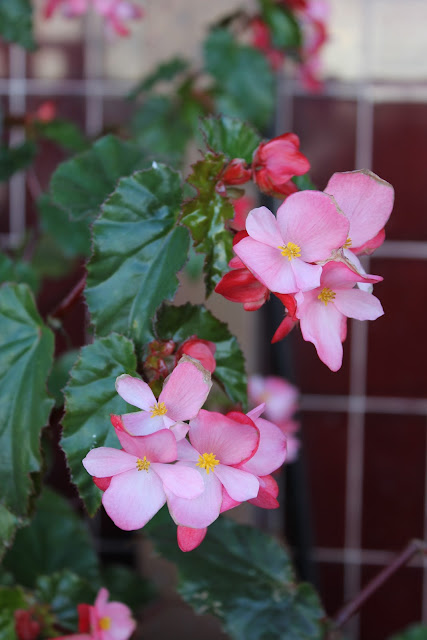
column 344, row 614
column 70, row 299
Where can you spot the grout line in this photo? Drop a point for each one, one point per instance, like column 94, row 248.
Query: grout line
column 362, row 557
column 363, row 404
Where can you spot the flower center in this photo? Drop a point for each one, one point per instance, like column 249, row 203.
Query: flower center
column 347, row 244
column 290, row 251
column 326, row 295
column 158, row 409
column 207, row 461
column 143, row 465
column 105, row 622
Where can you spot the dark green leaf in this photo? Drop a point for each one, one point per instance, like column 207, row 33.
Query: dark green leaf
column 284, row 28
column 165, row 72
column 49, row 260
column 80, row 185
column 205, row 215
column 72, row 237
column 138, row 250
column 17, row 271
column 60, row 374
column 232, row 137
column 415, row 632
column 64, row 133
column 8, row 525
column 63, row 591
column 179, row 323
column 245, row 578
column 16, row 22
column 13, row 159
column 56, row 539
column 125, row 585
column 10, row 600
column 26, row 353
column 245, row 83
column 90, row 399
column 304, row 182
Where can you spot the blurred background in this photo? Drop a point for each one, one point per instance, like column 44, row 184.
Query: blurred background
column 357, row 494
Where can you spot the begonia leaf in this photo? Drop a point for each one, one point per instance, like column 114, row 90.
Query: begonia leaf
column 230, row 136
column 414, row 632
column 205, row 215
column 244, row 81
column 26, row 352
column 125, row 585
column 304, row 182
column 90, row 398
column 137, row 251
column 13, row 159
column 284, row 28
column 11, row 599
column 245, row 578
column 64, row 132
column 63, row 591
column 8, row 524
column 18, row 271
column 165, row 72
column 72, row 237
column 60, row 374
column 56, row 539
column 80, row 185
column 16, row 22
column 179, row 323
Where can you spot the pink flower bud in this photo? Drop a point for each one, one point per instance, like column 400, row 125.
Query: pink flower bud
column 236, row 172
column 276, row 162
column 201, row 350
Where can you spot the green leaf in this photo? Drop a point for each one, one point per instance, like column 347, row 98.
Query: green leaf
column 138, row 250
column 125, row 585
column 284, row 28
column 90, row 398
column 26, row 353
column 245, row 83
column 304, row 182
column 18, row 271
column 64, row 133
column 245, row 578
column 13, row 159
column 10, row 600
column 80, row 185
column 49, row 260
column 60, row 374
column 8, row 525
column 232, row 137
column 72, row 237
column 415, row 632
column 165, row 72
column 56, row 539
column 64, row 591
column 205, row 215
column 16, row 22
column 179, row 323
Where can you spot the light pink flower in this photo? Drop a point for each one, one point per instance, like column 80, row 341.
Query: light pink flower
column 309, row 227
column 140, row 474
column 217, row 445
column 183, row 394
column 279, row 395
column 324, row 311
column 114, row 12
column 104, row 621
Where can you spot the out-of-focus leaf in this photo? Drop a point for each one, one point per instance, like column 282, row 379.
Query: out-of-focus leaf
column 64, row 133
column 49, row 260
column 205, row 215
column 10, row 600
column 80, row 185
column 138, row 250
column 26, row 352
column 232, row 137
column 18, row 271
column 125, row 585
column 72, row 237
column 8, row 524
column 179, row 323
column 415, row 632
column 244, row 81
column 64, row 591
column 284, row 28
column 304, row 182
column 165, row 72
column 16, row 22
column 245, row 578
column 60, row 374
column 56, row 539
column 90, row 399
column 13, row 159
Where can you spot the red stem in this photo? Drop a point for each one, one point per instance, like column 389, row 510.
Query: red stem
column 70, row 299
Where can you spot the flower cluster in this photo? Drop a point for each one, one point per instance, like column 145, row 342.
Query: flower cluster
column 226, row 460
column 103, row 621
column 308, row 257
column 114, row 12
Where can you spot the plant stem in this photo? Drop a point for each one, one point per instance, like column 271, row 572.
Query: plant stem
column 70, row 299
column 344, row 614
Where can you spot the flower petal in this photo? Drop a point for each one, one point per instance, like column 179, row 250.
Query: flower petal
column 199, row 512
column 358, row 304
column 133, row 498
column 271, row 452
column 188, row 538
column 240, row 485
column 135, row 392
column 104, row 462
column 183, row 481
column 140, row 423
column 261, row 225
column 307, row 276
column 268, row 265
column 156, row 447
column 322, row 325
column 186, row 390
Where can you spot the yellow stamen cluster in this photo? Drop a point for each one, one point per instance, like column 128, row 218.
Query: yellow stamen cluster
column 105, row 622
column 158, row 409
column 347, row 243
column 326, row 295
column 290, row 251
column 207, row 461
column 143, row 465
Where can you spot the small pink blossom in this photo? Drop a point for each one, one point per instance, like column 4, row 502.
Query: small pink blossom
column 277, row 161
column 114, row 12
column 281, row 252
column 324, row 311
column 201, row 350
column 183, row 394
column 139, row 475
column 279, row 395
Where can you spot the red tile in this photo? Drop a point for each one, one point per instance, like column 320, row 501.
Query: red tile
column 331, row 586
column 396, row 605
column 394, row 475
column 397, row 341
column 400, row 152
column 325, row 448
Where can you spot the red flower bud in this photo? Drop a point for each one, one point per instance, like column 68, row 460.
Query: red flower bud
column 26, row 628
column 239, row 285
column 237, row 172
column 46, row 111
column 201, row 350
column 276, row 162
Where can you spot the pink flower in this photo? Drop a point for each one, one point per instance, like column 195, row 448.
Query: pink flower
column 218, row 444
column 276, row 162
column 237, row 172
column 140, row 474
column 313, row 18
column 201, row 350
column 280, row 397
column 103, row 621
column 309, row 227
column 114, row 12
column 183, row 394
column 324, row 311
column 242, row 206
